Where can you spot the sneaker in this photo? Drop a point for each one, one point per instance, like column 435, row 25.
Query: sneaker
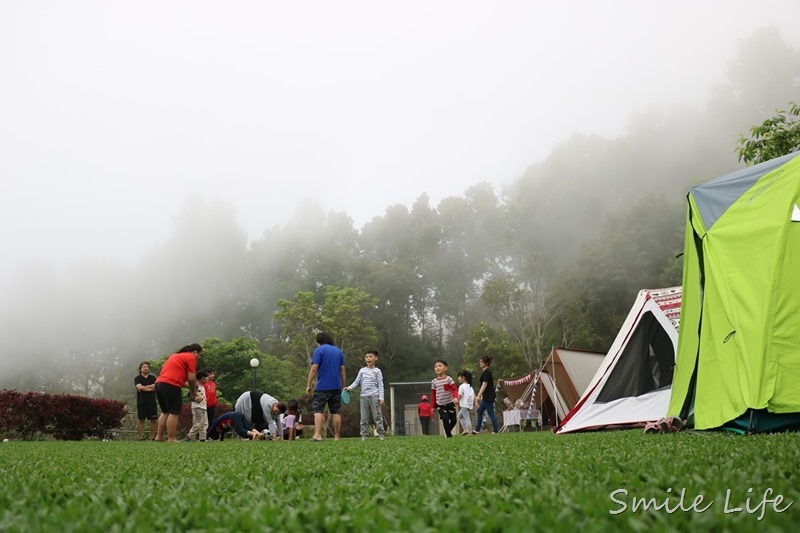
column 653, row 427
column 670, row 424
column 380, row 438
column 363, row 438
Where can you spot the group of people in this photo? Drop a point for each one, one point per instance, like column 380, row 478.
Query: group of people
column 165, row 392
column 255, row 412
column 204, row 398
column 445, row 396
column 257, row 416
column 327, row 367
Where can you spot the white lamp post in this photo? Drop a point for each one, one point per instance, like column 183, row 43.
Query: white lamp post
column 254, row 364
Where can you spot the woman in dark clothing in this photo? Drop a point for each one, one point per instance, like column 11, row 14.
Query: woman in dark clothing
column 486, row 395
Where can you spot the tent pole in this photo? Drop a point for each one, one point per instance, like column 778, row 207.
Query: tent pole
column 555, row 384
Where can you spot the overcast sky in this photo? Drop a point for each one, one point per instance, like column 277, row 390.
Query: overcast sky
column 113, row 113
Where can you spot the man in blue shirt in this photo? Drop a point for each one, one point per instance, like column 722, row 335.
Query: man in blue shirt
column 327, row 365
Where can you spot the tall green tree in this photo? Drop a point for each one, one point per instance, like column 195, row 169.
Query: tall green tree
column 776, row 136
column 231, row 363
column 347, row 315
column 524, row 311
column 344, row 313
column 484, row 339
column 635, row 250
column 299, row 321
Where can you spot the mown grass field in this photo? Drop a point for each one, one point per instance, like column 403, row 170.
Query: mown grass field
column 508, row 482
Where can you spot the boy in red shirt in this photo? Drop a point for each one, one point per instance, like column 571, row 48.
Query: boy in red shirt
column 444, row 395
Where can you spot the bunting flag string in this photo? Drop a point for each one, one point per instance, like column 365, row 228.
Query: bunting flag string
column 533, row 394
column 520, row 381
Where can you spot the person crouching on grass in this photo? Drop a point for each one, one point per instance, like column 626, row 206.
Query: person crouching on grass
column 444, row 394
column 232, row 420
column 292, row 427
column 180, row 368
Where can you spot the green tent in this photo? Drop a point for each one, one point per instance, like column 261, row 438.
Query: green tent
column 738, row 361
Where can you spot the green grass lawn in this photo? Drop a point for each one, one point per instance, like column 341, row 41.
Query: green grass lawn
column 508, row 482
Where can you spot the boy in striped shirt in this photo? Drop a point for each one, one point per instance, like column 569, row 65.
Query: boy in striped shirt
column 370, row 378
column 444, row 395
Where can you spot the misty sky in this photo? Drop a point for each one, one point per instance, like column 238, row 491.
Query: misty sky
column 113, row 113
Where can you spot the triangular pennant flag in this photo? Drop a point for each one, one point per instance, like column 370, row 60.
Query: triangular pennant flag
column 796, row 214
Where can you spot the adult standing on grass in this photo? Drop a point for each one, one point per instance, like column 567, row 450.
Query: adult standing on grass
column 486, row 395
column 211, row 394
column 146, row 406
column 327, row 366
column 262, row 410
column 179, row 369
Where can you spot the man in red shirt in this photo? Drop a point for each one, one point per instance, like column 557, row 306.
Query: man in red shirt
column 425, row 412
column 180, row 369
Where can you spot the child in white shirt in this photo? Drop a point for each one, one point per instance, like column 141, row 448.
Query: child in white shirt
column 370, row 379
column 466, row 401
column 199, row 410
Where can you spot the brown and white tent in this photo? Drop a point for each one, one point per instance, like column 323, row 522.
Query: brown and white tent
column 556, row 387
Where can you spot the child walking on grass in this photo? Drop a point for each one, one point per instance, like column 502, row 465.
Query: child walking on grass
column 444, row 394
column 466, row 401
column 370, row 379
column 199, row 412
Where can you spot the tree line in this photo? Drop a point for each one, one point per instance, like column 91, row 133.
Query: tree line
column 554, row 259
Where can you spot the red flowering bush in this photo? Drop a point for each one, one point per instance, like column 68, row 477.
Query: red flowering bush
column 64, row 416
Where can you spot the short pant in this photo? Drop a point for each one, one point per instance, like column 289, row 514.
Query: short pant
column 333, row 398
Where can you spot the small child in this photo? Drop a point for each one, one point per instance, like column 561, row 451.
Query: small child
column 370, row 378
column 199, row 413
column 444, row 394
column 291, row 426
column 211, row 394
column 425, row 412
column 466, row 402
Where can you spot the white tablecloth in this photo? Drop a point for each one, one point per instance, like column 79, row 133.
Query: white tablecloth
column 512, row 417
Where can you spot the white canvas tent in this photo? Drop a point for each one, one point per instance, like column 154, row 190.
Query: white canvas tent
column 633, row 384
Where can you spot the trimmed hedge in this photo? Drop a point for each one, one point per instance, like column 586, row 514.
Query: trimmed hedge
column 63, row 416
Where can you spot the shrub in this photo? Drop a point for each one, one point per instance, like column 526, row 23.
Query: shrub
column 64, row 416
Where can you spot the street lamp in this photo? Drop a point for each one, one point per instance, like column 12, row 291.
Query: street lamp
column 254, row 364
